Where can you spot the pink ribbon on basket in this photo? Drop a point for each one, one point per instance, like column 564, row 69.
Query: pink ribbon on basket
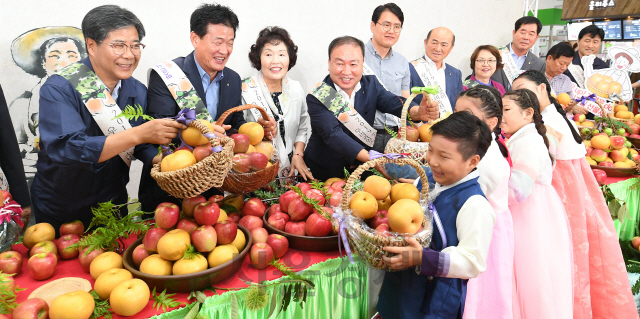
column 186, row 116
column 343, row 235
column 375, row 154
column 10, row 211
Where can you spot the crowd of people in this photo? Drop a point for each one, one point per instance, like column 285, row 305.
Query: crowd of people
column 522, row 227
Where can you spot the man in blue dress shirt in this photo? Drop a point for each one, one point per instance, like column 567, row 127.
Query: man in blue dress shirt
column 78, row 166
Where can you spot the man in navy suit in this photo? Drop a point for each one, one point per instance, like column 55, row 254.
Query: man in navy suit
column 213, row 29
column 437, row 46
column 332, row 146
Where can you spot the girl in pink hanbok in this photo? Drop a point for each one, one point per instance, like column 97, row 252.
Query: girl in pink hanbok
column 601, row 286
column 490, row 294
column 543, row 265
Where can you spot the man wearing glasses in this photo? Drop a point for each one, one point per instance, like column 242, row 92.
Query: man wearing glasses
column 85, row 151
column 389, row 67
column 432, row 70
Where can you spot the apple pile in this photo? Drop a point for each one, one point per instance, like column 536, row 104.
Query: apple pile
column 206, row 230
column 250, row 152
column 386, row 208
column 610, row 151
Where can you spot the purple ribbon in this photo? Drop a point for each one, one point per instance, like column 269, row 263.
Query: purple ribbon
column 436, row 219
column 186, row 116
column 343, row 235
column 583, row 99
column 374, row 154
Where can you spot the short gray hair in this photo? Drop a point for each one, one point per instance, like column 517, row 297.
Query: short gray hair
column 101, row 20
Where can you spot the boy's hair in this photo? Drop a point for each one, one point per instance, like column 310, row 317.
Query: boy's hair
column 471, row 133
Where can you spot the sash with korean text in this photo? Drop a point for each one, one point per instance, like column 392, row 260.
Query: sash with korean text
column 424, row 72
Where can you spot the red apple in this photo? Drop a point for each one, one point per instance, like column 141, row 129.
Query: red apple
column 139, row 254
column 167, row 215
column 412, row 134
column 617, row 156
column 379, row 218
column 183, row 147
column 261, row 255
column 335, row 199
column 589, row 150
column 317, row 226
column 286, row 198
column 64, row 251
column 579, row 118
column 626, row 134
column 634, row 136
column 42, row 266
column 241, row 143
column 207, row 213
column 275, row 208
column 204, row 238
column 251, row 222
column 187, row 224
column 601, row 176
column 259, row 235
column 277, row 222
column 635, row 242
column 44, row 247
column 253, row 207
column 304, row 187
column 202, row 151
column 151, row 239
column 241, row 163
column 74, row 227
column 188, row 204
column 10, row 262
column 295, row 228
column 279, row 244
column 299, row 210
column 331, row 190
column 226, row 231
column 598, row 155
column 258, row 161
column 316, row 194
column 85, row 259
column 338, row 185
column 34, row 308
column 235, row 216
column 383, row 230
column 216, row 198
column 606, row 164
column 617, row 142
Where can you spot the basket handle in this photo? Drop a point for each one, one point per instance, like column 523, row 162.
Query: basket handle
column 228, row 112
column 383, row 160
column 405, row 109
column 205, row 130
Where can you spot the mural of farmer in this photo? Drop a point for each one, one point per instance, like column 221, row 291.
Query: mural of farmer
column 625, row 60
column 40, row 52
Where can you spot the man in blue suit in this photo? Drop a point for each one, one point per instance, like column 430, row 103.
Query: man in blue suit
column 431, row 69
column 335, row 144
column 213, row 29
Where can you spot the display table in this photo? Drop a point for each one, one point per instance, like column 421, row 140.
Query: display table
column 340, row 287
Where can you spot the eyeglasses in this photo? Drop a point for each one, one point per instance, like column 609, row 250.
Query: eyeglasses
column 488, row 62
column 121, row 48
column 386, row 27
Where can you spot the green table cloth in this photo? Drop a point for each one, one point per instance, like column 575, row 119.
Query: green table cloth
column 629, row 191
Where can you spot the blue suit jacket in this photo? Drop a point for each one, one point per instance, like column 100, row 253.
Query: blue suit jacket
column 332, row 147
column 453, row 80
column 163, row 105
column 69, row 179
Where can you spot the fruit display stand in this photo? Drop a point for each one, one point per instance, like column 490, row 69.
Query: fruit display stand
column 340, row 287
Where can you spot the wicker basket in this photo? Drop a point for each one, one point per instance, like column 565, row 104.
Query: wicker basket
column 200, row 177
column 362, row 239
column 243, row 183
column 418, row 150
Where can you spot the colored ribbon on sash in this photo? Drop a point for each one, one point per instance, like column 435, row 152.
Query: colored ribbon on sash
column 374, row 154
column 343, row 235
column 585, row 98
column 11, row 211
column 436, row 218
column 186, row 116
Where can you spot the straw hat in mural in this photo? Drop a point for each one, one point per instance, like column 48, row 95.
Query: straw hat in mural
column 631, row 52
column 28, row 49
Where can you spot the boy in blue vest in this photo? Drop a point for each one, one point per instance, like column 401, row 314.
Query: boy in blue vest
column 431, row 282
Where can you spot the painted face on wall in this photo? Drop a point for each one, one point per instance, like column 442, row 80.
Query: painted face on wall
column 59, row 55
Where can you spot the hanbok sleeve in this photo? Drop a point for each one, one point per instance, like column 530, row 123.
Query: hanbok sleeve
column 468, row 259
column 529, row 161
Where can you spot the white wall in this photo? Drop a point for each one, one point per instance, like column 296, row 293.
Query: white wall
column 312, row 24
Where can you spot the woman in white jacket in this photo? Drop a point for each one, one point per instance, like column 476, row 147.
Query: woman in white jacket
column 273, row 55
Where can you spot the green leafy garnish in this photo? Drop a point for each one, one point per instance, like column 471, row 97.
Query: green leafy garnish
column 272, row 195
column 7, row 295
column 391, row 132
column 102, row 307
column 133, row 113
column 190, row 253
column 313, row 202
column 163, row 300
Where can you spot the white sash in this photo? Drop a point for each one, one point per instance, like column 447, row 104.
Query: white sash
column 255, row 91
column 578, row 74
column 344, row 112
column 366, row 70
column 424, row 72
column 509, row 66
column 99, row 102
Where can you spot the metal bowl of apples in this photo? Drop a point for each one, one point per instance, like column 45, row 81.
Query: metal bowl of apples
column 615, row 171
column 297, row 235
column 194, row 281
